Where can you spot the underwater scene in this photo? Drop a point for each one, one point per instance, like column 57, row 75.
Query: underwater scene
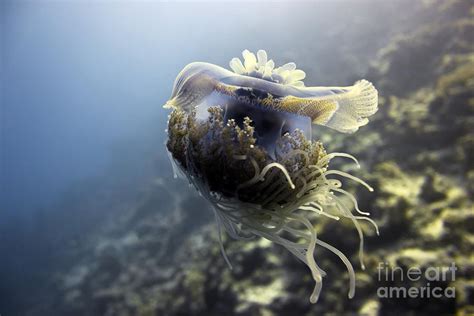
column 237, row 158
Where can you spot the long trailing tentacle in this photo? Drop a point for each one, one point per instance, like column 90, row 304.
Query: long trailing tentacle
column 221, row 244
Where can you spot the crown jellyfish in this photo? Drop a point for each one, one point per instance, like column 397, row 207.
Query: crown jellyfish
column 243, row 139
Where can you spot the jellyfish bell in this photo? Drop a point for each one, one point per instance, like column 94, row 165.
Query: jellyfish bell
column 243, row 138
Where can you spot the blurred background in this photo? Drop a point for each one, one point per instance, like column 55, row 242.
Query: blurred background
column 92, row 221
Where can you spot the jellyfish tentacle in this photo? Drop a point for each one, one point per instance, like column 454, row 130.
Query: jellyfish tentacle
column 330, row 156
column 353, row 200
column 346, row 261
column 221, row 244
column 254, row 179
column 279, row 166
column 370, row 221
column 315, row 271
column 318, row 211
column 349, row 176
column 347, row 213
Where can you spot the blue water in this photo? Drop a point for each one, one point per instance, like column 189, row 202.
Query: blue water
column 83, row 84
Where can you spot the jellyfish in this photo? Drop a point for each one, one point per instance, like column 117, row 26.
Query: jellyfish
column 243, row 138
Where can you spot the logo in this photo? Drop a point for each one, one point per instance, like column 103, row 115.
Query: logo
column 425, row 281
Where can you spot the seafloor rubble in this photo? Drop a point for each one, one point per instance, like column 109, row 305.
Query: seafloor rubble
column 419, row 155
